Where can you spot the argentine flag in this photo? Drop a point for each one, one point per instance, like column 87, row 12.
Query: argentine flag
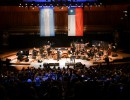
column 47, row 22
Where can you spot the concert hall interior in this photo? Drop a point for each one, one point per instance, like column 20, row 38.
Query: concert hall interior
column 64, row 49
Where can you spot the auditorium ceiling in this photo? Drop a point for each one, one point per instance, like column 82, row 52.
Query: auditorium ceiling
column 105, row 2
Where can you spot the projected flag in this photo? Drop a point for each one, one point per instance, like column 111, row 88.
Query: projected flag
column 75, row 22
column 47, row 22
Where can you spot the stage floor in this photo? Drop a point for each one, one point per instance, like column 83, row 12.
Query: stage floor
column 61, row 63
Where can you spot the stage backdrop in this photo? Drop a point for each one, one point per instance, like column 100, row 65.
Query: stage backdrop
column 75, row 21
column 47, row 22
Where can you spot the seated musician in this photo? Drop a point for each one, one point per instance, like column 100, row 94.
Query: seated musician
column 86, row 45
column 53, row 53
column 34, row 53
column 49, row 51
column 69, row 52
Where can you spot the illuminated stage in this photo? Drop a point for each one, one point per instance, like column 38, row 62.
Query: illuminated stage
column 63, row 62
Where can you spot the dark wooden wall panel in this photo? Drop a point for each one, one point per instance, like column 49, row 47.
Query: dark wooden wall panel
column 12, row 16
column 22, row 19
column 15, row 16
column 102, row 17
column 61, row 19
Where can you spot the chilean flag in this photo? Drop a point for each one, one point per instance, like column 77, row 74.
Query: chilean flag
column 75, row 21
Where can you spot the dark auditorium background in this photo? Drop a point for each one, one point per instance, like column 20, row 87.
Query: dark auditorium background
column 19, row 24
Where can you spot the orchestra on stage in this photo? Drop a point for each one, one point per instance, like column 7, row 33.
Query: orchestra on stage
column 75, row 51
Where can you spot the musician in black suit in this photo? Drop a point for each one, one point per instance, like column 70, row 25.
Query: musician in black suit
column 20, row 55
column 72, row 58
column 73, row 48
column 49, row 51
column 58, row 55
column 107, row 60
column 34, row 53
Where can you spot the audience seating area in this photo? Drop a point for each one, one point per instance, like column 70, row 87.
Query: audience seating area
column 102, row 82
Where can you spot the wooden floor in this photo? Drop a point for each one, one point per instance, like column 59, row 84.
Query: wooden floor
column 61, row 63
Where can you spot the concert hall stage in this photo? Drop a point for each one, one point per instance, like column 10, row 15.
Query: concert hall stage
column 63, row 62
